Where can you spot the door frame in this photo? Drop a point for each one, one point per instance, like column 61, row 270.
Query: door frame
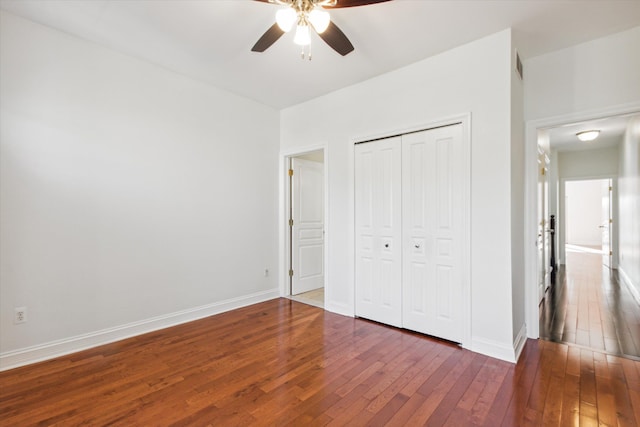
column 465, row 120
column 543, row 274
column 532, row 127
column 561, row 219
column 284, row 246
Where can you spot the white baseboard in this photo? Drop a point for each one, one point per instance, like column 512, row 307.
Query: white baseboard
column 338, row 308
column 498, row 350
column 520, row 341
column 627, row 281
column 38, row 353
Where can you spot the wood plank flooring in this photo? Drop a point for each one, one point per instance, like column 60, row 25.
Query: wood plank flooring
column 589, row 307
column 286, row 363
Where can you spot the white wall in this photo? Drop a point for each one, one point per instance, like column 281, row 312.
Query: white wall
column 589, row 76
column 629, row 211
column 583, row 212
column 473, row 78
column 587, row 164
column 517, row 202
column 128, row 193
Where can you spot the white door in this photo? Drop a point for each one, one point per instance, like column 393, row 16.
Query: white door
column 606, row 222
column 378, row 236
column 432, row 232
column 307, row 243
column 542, row 242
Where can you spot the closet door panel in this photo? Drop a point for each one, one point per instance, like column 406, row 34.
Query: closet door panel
column 364, row 225
column 449, row 235
column 378, row 231
column 418, row 161
column 431, row 232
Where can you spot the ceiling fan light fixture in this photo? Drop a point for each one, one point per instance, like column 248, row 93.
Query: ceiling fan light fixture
column 588, row 135
column 286, row 18
column 302, row 37
column 320, row 19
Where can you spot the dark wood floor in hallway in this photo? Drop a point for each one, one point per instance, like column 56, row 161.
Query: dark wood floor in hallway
column 286, row 363
column 589, row 307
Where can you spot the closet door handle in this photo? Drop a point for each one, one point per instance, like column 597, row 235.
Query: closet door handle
column 386, row 245
column 417, row 245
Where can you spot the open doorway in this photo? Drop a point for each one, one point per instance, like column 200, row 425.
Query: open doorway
column 589, row 305
column 305, row 227
column 589, row 217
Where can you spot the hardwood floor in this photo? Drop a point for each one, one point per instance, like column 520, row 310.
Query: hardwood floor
column 287, row 363
column 589, row 307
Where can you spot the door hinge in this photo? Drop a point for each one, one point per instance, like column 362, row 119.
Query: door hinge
column 610, row 253
column 543, row 171
column 290, row 273
column 290, row 223
column 610, row 221
column 290, row 172
column 610, row 188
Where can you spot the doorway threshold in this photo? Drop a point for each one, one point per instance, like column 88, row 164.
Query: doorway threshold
column 314, row 297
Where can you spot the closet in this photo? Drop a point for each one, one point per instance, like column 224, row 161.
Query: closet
column 409, row 209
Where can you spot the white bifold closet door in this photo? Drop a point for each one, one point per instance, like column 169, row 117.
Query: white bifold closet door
column 378, row 229
column 409, row 231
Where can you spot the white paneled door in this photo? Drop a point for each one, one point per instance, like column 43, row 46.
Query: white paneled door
column 542, row 241
column 432, row 209
column 378, row 231
column 307, row 254
column 409, row 231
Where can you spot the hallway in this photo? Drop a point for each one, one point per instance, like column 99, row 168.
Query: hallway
column 590, row 308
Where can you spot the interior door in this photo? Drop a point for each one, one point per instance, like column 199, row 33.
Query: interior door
column 432, row 232
column 542, row 242
column 606, row 222
column 307, row 254
column 378, row 267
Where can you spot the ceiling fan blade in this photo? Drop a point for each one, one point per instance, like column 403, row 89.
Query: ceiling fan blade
column 335, row 38
column 342, row 3
column 268, row 38
column 353, row 3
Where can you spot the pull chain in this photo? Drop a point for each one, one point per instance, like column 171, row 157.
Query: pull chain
column 307, row 53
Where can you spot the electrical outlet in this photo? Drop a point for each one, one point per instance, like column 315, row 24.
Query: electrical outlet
column 20, row 315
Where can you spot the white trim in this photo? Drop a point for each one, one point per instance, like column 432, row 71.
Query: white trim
column 519, row 342
column 495, row 349
column 342, row 309
column 499, row 350
column 530, row 226
column 443, row 121
column 465, row 120
column 38, row 353
column 624, row 278
column 466, row 233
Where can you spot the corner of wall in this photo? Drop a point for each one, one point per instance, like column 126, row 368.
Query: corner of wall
column 498, row 350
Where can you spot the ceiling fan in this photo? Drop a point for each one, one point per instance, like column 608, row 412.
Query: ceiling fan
column 305, row 14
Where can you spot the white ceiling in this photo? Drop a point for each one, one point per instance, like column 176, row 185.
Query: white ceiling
column 612, row 129
column 210, row 40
